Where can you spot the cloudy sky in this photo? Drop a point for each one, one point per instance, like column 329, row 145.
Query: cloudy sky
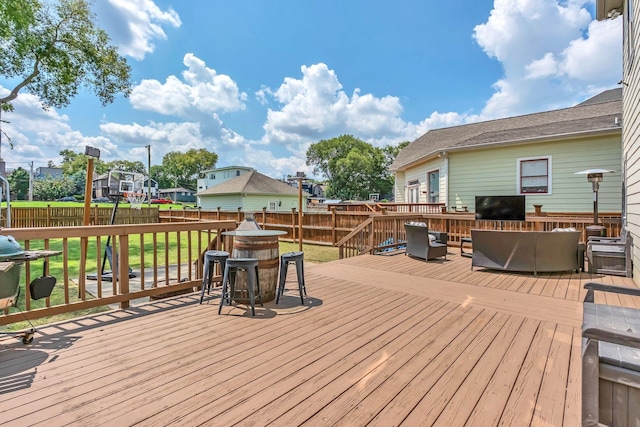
column 257, row 82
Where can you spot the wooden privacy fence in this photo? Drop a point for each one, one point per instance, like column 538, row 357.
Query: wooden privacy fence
column 385, row 233
column 357, row 232
column 320, row 228
column 62, row 216
column 353, row 231
column 163, row 259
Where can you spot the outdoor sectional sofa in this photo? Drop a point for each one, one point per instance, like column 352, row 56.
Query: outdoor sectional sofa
column 527, row 251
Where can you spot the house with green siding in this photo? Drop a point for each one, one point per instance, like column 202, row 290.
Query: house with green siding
column 251, row 192
column 535, row 155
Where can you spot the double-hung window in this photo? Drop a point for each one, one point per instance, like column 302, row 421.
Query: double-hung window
column 534, row 175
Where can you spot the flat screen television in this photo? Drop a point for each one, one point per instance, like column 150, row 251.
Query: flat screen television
column 500, row 208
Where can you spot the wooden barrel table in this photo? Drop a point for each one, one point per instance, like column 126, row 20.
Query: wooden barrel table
column 263, row 246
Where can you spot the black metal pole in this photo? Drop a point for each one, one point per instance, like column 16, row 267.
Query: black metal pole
column 595, row 207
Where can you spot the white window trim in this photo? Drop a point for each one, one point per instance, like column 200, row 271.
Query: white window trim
column 428, row 193
column 519, row 178
column 414, row 184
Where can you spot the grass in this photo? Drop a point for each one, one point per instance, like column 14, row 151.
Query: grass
column 312, row 253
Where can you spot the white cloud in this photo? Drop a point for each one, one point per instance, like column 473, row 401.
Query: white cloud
column 541, row 68
column 134, row 25
column 316, row 107
column 202, row 91
column 552, row 52
column 592, row 59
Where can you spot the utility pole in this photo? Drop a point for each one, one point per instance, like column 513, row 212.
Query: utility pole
column 300, row 176
column 148, row 147
column 31, row 183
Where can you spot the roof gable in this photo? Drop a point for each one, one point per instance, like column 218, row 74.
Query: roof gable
column 251, row 183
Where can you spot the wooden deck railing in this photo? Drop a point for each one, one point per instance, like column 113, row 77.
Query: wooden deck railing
column 166, row 258
column 386, row 232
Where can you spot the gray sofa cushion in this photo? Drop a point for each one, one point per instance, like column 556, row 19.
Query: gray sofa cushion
column 503, row 250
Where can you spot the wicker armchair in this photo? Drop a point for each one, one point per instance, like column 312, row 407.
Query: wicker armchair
column 419, row 246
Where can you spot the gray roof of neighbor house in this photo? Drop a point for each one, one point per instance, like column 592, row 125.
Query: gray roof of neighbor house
column 251, row 183
column 174, row 189
column 602, row 113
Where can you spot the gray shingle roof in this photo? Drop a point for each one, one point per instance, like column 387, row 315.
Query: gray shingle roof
column 606, row 96
column 594, row 115
column 251, row 183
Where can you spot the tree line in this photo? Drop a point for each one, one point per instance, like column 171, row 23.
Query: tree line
column 351, row 169
column 177, row 170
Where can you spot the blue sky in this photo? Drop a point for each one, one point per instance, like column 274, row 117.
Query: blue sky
column 257, row 82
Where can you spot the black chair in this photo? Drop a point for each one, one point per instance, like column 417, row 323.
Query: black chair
column 419, row 246
column 231, row 267
column 286, row 259
column 210, row 260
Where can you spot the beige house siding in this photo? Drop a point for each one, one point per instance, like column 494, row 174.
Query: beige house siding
column 493, row 171
column 398, row 187
column 419, row 173
column 257, row 202
column 224, row 202
column 249, row 202
column 631, row 131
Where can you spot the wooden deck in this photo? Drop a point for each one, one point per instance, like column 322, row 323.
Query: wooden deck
column 381, row 341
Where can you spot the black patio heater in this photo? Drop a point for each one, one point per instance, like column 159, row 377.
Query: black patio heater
column 594, row 176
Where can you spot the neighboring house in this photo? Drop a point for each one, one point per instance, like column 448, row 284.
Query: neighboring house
column 101, row 186
column 212, row 177
column 179, row 194
column 251, row 191
column 607, row 9
column 43, row 172
column 154, row 188
column 536, row 155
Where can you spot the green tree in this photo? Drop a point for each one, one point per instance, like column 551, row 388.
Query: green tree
column 79, row 181
column 127, row 165
column 324, row 155
column 73, row 163
column 158, row 173
column 183, row 168
column 19, row 182
column 353, row 167
column 53, row 48
column 53, row 188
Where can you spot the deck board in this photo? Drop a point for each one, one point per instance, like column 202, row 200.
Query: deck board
column 381, row 340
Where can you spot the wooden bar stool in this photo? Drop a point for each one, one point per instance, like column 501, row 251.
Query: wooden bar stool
column 285, row 259
column 210, row 260
column 231, row 267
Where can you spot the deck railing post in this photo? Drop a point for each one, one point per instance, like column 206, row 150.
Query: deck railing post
column 264, row 216
column 123, row 267
column 293, row 224
column 334, row 218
